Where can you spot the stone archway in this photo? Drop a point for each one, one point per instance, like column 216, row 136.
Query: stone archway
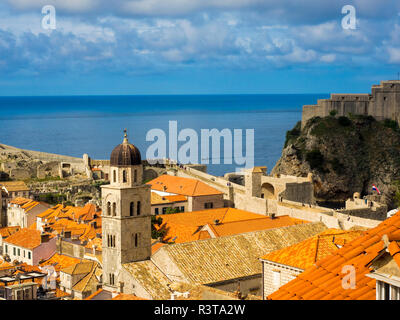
column 268, row 191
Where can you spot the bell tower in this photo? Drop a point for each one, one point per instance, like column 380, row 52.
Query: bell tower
column 126, row 213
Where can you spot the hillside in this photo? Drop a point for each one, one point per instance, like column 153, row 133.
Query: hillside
column 345, row 155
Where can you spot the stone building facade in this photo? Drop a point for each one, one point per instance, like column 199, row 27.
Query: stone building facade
column 382, row 103
column 276, row 275
column 126, row 214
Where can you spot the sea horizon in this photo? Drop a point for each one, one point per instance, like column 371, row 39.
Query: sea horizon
column 74, row 125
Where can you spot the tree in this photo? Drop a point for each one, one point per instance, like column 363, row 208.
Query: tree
column 172, row 210
column 156, row 232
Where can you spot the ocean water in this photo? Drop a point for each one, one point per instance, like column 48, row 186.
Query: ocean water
column 94, row 124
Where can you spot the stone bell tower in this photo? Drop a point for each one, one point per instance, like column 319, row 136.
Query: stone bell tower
column 126, row 213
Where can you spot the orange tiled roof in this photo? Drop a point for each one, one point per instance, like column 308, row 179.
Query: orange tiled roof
column 156, row 246
column 394, row 250
column 60, row 261
column 158, row 199
column 96, row 242
column 5, row 265
column 24, row 203
column 26, row 238
column 187, row 226
column 304, row 254
column 236, row 227
column 182, row 186
column 7, row 231
column 125, row 296
column 324, row 279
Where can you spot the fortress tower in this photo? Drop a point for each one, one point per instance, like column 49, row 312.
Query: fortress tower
column 382, row 103
column 126, row 213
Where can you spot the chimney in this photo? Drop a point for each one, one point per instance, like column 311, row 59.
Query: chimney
column 272, row 216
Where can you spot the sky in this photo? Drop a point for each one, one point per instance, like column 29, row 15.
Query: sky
column 102, row 47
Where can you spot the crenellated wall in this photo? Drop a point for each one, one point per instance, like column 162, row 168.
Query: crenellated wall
column 382, row 103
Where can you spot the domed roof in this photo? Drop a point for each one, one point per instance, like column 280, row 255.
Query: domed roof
column 125, row 154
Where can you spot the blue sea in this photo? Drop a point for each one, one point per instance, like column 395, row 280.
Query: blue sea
column 75, row 125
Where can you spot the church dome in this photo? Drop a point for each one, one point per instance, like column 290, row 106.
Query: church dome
column 125, row 154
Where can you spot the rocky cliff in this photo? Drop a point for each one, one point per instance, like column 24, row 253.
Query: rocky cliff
column 345, row 155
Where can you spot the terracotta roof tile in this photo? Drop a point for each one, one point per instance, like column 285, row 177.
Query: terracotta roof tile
column 359, row 253
column 26, row 238
column 7, row 231
column 304, row 254
column 182, row 186
column 192, row 226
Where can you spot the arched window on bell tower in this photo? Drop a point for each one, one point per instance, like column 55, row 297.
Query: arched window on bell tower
column 114, row 176
column 135, row 176
column 109, row 208
column 124, row 180
column 114, row 209
column 131, row 209
column 138, row 208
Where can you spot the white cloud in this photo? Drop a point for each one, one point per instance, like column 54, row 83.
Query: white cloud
column 394, row 55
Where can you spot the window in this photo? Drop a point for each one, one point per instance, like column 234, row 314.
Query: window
column 135, row 176
column 20, row 295
column 111, row 241
column 29, row 254
column 6, row 247
column 14, row 251
column 112, row 280
column 131, row 209
column 138, row 208
column 114, row 209
column 276, row 279
column 124, row 176
column 208, row 205
column 155, row 211
column 182, row 209
column 114, row 176
column 164, row 210
column 136, row 240
column 109, row 208
column 19, row 252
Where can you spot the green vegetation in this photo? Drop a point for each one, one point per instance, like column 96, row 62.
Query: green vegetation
column 293, row 134
column 155, row 234
column 392, row 124
column 52, row 198
column 315, row 159
column 46, row 179
column 344, row 121
column 172, row 210
column 333, row 113
column 99, row 183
